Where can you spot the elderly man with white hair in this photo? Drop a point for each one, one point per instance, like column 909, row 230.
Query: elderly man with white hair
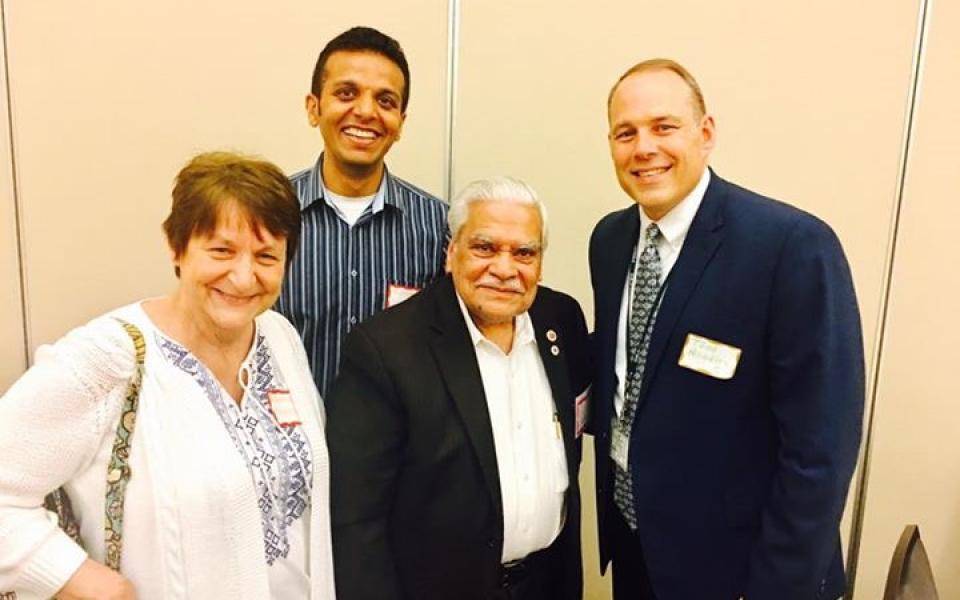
column 455, row 423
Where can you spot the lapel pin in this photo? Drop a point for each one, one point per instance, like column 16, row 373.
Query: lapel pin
column 551, row 335
column 554, row 350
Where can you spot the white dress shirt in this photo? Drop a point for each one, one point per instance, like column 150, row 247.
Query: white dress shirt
column 530, row 455
column 673, row 228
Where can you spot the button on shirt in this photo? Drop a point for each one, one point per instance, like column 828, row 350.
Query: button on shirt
column 342, row 270
column 673, row 228
column 530, row 455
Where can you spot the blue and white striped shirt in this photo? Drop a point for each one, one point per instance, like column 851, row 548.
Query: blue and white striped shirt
column 340, row 274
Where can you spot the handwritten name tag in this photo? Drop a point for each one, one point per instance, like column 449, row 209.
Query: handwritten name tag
column 582, row 411
column 398, row 293
column 281, row 405
column 709, row 357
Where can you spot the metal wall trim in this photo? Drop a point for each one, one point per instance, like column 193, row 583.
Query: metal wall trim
column 17, row 201
column 453, row 62
column 910, row 117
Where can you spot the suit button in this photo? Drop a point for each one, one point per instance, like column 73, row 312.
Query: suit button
column 492, row 543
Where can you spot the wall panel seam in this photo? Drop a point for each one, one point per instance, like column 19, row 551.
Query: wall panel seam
column 453, row 59
column 859, row 506
column 14, row 184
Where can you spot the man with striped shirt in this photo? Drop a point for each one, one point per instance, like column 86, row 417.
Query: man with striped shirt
column 369, row 239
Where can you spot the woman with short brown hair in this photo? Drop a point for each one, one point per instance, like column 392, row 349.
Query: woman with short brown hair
column 227, row 495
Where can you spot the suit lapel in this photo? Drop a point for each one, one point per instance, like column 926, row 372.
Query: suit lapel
column 702, row 241
column 618, row 253
column 453, row 351
column 551, row 344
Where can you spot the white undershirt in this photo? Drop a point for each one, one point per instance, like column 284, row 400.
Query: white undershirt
column 348, row 208
column 530, row 454
column 674, row 227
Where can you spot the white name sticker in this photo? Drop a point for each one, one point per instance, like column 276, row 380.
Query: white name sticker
column 398, row 293
column 709, row 357
column 281, row 405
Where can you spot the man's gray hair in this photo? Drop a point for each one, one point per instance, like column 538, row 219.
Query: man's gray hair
column 499, row 188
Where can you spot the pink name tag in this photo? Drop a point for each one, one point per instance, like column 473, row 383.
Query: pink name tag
column 281, row 405
column 582, row 410
column 398, row 293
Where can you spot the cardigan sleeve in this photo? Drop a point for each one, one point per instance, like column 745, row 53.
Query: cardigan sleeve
column 52, row 422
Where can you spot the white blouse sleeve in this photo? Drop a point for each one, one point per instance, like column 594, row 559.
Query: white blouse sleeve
column 52, row 422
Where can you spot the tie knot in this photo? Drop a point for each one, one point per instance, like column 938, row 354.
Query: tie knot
column 652, row 234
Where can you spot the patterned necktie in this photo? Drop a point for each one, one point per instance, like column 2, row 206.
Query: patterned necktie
column 639, row 327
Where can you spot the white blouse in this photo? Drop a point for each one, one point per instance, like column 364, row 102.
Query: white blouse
column 195, row 522
column 278, row 457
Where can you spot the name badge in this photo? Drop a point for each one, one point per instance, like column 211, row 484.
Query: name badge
column 281, row 405
column 398, row 293
column 619, row 447
column 709, row 357
column 582, row 411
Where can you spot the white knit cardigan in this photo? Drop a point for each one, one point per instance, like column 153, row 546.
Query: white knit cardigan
column 192, row 528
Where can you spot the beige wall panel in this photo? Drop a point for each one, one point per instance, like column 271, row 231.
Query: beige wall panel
column 915, row 473
column 12, row 357
column 111, row 97
column 809, row 105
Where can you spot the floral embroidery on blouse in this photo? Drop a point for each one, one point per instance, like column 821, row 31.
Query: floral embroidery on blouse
column 279, row 458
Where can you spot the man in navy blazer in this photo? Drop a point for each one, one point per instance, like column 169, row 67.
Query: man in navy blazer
column 736, row 444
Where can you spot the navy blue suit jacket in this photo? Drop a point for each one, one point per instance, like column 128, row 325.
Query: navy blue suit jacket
column 739, row 484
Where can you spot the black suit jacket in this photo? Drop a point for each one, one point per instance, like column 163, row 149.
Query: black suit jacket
column 415, row 491
column 739, row 483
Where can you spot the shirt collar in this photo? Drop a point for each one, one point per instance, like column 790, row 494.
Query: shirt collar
column 675, row 224
column 522, row 328
column 375, row 206
column 385, row 193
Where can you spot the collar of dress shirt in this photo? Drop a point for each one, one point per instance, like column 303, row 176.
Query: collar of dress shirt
column 522, row 329
column 376, row 205
column 675, row 224
column 382, row 198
